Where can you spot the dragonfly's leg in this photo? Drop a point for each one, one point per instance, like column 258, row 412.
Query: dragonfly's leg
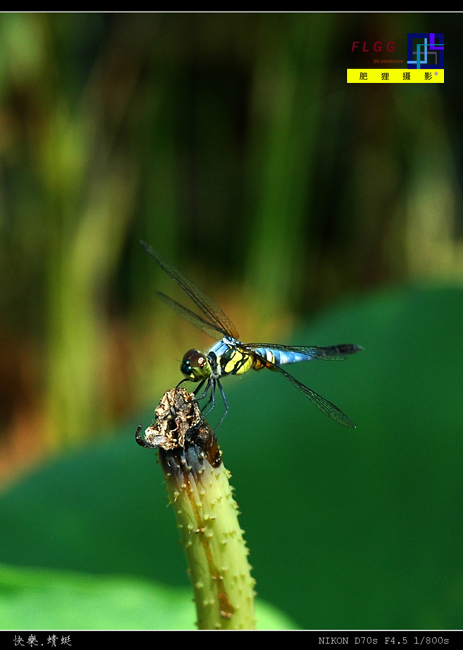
column 209, row 387
column 211, row 400
column 198, row 388
column 222, row 392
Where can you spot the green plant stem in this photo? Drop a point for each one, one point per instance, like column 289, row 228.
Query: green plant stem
column 207, row 517
column 206, row 512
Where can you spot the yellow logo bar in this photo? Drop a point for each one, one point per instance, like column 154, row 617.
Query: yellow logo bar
column 395, row 75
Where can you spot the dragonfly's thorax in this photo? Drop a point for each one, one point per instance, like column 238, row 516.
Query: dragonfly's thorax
column 195, row 365
column 228, row 358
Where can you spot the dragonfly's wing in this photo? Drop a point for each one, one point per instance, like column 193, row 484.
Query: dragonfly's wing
column 190, row 316
column 213, row 313
column 330, row 353
column 323, row 404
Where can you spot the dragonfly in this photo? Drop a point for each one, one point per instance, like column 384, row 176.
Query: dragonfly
column 230, row 356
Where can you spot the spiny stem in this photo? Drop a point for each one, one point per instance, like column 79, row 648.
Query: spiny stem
column 207, row 515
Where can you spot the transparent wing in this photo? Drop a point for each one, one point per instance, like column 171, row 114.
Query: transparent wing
column 217, row 320
column 190, row 316
column 329, row 353
column 320, row 402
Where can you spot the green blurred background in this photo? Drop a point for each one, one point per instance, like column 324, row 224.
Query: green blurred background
column 312, row 211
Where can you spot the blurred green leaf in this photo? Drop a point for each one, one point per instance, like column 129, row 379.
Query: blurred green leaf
column 51, row 600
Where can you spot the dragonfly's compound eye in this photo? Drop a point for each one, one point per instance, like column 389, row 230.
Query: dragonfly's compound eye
column 195, row 365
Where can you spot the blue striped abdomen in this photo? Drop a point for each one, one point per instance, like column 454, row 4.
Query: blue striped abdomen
column 282, row 357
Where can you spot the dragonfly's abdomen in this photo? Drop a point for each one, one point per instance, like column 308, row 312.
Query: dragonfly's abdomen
column 277, row 357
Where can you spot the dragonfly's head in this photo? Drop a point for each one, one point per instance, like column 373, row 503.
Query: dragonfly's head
column 195, row 365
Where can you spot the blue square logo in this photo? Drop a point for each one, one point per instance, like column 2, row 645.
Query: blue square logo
column 425, row 51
